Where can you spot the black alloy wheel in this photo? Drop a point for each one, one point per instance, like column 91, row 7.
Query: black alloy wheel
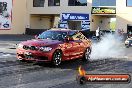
column 57, row 58
column 87, row 54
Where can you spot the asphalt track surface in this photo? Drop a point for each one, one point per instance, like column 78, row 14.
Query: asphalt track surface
column 15, row 74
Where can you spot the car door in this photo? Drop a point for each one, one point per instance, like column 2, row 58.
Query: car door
column 68, row 50
column 77, row 44
column 76, row 47
column 73, row 48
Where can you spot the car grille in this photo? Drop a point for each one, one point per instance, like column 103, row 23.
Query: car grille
column 32, row 56
column 30, row 47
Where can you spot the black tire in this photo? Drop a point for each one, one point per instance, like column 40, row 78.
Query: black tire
column 57, row 58
column 87, row 54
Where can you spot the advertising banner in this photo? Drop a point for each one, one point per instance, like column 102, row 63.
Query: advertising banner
column 63, row 24
column 83, row 18
column 103, row 10
column 74, row 16
column 5, row 14
column 85, row 25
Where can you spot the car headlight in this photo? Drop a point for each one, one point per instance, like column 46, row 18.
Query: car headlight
column 45, row 49
column 126, row 42
column 20, row 46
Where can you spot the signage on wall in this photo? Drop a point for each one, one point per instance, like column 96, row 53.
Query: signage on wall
column 103, row 10
column 84, row 18
column 63, row 24
column 85, row 25
column 5, row 14
column 74, row 16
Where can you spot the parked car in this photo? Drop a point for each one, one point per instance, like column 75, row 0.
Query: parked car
column 55, row 45
column 128, row 42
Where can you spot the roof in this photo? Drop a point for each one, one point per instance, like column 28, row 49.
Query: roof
column 61, row 29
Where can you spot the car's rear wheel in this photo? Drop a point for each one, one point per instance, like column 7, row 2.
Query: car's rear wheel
column 87, row 54
column 57, row 58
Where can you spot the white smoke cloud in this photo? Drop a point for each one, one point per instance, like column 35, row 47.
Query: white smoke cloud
column 110, row 46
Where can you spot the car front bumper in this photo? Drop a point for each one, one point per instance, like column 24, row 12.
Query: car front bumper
column 34, row 55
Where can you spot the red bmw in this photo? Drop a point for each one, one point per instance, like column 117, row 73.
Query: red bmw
column 55, row 46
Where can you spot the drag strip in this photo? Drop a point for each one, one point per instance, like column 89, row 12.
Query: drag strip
column 37, row 75
column 5, row 55
column 16, row 74
column 16, row 67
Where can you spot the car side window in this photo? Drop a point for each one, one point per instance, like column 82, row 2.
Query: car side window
column 79, row 36
column 76, row 36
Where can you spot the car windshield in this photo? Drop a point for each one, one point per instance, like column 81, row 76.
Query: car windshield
column 53, row 35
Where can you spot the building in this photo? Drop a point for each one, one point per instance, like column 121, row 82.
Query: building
column 32, row 16
column 51, row 12
column 16, row 19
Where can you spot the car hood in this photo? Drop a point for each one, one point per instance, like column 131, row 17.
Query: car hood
column 41, row 42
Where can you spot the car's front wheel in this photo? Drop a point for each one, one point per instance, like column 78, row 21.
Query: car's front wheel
column 87, row 54
column 57, row 57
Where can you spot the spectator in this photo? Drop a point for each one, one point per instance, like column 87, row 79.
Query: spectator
column 98, row 33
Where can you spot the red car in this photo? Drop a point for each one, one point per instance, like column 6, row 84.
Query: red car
column 55, row 46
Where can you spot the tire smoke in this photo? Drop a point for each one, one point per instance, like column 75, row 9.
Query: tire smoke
column 108, row 47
